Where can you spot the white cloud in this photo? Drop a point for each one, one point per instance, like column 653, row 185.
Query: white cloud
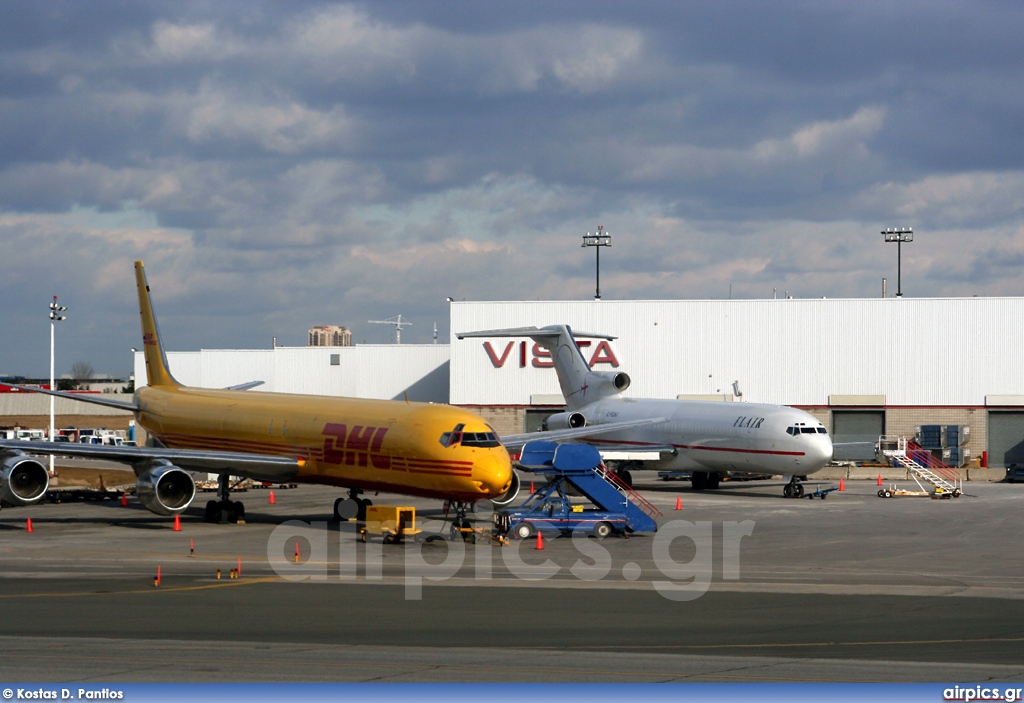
column 286, row 127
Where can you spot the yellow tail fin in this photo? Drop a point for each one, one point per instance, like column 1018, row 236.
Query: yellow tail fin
column 156, row 361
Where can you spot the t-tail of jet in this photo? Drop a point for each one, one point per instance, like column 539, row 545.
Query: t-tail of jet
column 157, row 370
column 580, row 384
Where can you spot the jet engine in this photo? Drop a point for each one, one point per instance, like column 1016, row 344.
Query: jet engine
column 565, row 421
column 509, row 495
column 611, row 382
column 23, row 480
column 165, row 489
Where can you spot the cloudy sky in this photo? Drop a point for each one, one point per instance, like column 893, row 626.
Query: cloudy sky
column 279, row 165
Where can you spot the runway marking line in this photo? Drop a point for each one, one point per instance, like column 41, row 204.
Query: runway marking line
column 768, row 645
column 151, row 591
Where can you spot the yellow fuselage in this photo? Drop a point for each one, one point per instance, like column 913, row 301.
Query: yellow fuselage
column 349, row 442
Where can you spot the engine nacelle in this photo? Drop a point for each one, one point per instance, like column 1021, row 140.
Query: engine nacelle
column 565, row 421
column 612, row 382
column 23, row 480
column 165, row 489
column 509, row 495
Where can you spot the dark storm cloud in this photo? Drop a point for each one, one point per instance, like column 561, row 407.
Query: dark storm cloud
column 280, row 165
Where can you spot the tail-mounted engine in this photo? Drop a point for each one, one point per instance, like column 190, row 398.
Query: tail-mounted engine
column 612, row 382
column 23, row 480
column 565, row 421
column 165, row 489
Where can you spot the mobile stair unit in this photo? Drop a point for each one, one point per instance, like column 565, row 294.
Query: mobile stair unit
column 578, row 465
column 922, row 467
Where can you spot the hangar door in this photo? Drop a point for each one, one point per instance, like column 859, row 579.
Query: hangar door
column 1005, row 439
column 857, row 426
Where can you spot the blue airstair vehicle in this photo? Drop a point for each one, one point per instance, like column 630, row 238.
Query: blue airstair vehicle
column 619, row 509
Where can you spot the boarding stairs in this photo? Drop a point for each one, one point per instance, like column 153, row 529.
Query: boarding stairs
column 580, row 465
column 921, row 464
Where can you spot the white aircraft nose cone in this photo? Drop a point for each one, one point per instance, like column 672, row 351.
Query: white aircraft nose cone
column 821, row 453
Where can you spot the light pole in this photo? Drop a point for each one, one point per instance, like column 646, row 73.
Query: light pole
column 899, row 235
column 55, row 316
column 598, row 239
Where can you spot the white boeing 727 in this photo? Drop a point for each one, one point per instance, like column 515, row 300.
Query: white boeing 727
column 707, row 438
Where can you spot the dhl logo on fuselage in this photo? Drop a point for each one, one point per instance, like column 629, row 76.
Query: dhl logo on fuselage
column 356, row 448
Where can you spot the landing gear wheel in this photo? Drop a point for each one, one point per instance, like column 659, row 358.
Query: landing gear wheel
column 363, row 505
column 602, row 530
column 236, row 511
column 787, row 490
column 798, row 490
column 524, row 530
column 625, row 477
column 713, row 479
column 699, row 480
column 212, row 512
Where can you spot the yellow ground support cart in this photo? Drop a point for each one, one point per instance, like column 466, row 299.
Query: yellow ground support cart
column 392, row 522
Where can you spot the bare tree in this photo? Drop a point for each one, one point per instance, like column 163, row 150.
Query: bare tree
column 81, row 372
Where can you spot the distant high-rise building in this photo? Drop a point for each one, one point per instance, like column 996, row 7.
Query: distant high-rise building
column 330, row 336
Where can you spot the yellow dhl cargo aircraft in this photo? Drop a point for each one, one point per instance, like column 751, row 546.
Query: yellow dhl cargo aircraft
column 420, row 449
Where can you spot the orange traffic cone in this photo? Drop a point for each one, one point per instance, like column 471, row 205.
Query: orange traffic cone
column 540, row 540
column 272, row 500
column 879, row 479
column 28, row 527
column 177, row 523
column 531, row 487
column 842, row 486
column 679, row 503
column 124, row 499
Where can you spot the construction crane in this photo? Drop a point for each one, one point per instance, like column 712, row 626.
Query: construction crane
column 397, row 321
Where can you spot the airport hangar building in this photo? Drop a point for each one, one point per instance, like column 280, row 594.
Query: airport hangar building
column 864, row 367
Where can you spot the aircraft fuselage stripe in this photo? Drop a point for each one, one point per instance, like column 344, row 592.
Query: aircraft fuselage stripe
column 737, row 450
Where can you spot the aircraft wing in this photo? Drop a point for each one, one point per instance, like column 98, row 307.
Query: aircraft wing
column 94, row 399
column 244, row 386
column 256, row 466
column 518, row 440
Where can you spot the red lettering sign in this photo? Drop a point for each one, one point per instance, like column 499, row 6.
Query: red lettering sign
column 541, row 357
column 604, row 355
column 497, row 361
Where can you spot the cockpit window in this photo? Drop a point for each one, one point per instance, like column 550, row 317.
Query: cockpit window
column 469, row 439
column 450, row 439
column 822, row 430
column 807, row 430
column 479, row 439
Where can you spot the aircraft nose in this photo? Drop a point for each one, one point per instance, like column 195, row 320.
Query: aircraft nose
column 821, row 454
column 493, row 473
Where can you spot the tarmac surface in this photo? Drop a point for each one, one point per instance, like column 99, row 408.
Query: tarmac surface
column 738, row 585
